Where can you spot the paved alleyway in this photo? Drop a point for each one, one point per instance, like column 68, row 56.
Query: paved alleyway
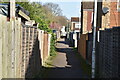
column 66, row 63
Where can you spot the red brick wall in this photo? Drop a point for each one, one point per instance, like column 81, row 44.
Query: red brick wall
column 89, row 18
column 114, row 15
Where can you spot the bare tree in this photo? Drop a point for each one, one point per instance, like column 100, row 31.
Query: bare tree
column 62, row 20
column 54, row 8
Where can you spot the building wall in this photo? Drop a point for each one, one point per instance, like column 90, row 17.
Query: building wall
column 89, row 47
column 73, row 26
column 82, row 45
column 84, row 22
column 111, row 19
column 74, row 21
column 106, row 19
column 114, row 15
column 89, row 21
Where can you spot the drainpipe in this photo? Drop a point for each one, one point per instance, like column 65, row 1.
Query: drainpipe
column 94, row 39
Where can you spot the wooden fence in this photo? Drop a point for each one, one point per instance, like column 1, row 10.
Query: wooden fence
column 21, row 49
column 29, row 51
column 82, row 45
column 9, row 47
column 44, row 44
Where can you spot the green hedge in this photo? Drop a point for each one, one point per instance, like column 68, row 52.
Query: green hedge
column 52, row 45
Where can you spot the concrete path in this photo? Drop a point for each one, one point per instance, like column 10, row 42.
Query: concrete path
column 66, row 63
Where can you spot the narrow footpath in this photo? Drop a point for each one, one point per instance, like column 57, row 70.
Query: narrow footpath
column 66, row 63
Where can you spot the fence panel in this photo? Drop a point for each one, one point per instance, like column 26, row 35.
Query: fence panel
column 21, row 49
column 4, row 47
column 49, row 40
column 109, row 53
column 1, row 48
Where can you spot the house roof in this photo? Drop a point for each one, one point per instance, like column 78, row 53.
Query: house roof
column 54, row 25
column 4, row 9
column 74, row 19
column 19, row 10
column 87, row 5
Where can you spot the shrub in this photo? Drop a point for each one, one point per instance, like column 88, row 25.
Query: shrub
column 52, row 46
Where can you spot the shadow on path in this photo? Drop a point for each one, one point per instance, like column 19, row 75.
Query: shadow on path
column 66, row 64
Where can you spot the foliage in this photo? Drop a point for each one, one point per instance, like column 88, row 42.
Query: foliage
column 42, row 16
column 52, row 45
column 44, row 26
column 45, row 14
column 36, row 13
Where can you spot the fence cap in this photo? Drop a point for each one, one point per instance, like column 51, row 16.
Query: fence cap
column 46, row 32
column 116, row 27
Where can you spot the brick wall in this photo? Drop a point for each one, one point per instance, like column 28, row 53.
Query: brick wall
column 105, row 18
column 84, row 29
column 114, row 15
column 111, row 19
column 89, row 21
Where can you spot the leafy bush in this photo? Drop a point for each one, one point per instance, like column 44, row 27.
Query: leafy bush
column 36, row 13
column 52, row 46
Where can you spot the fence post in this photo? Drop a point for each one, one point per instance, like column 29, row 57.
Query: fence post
column 20, row 44
column 28, row 46
column 9, row 26
column 49, row 39
column 19, row 48
column 13, row 47
column 32, row 49
column 24, row 52
column 42, row 45
column 12, row 9
column 40, row 38
column 15, row 54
